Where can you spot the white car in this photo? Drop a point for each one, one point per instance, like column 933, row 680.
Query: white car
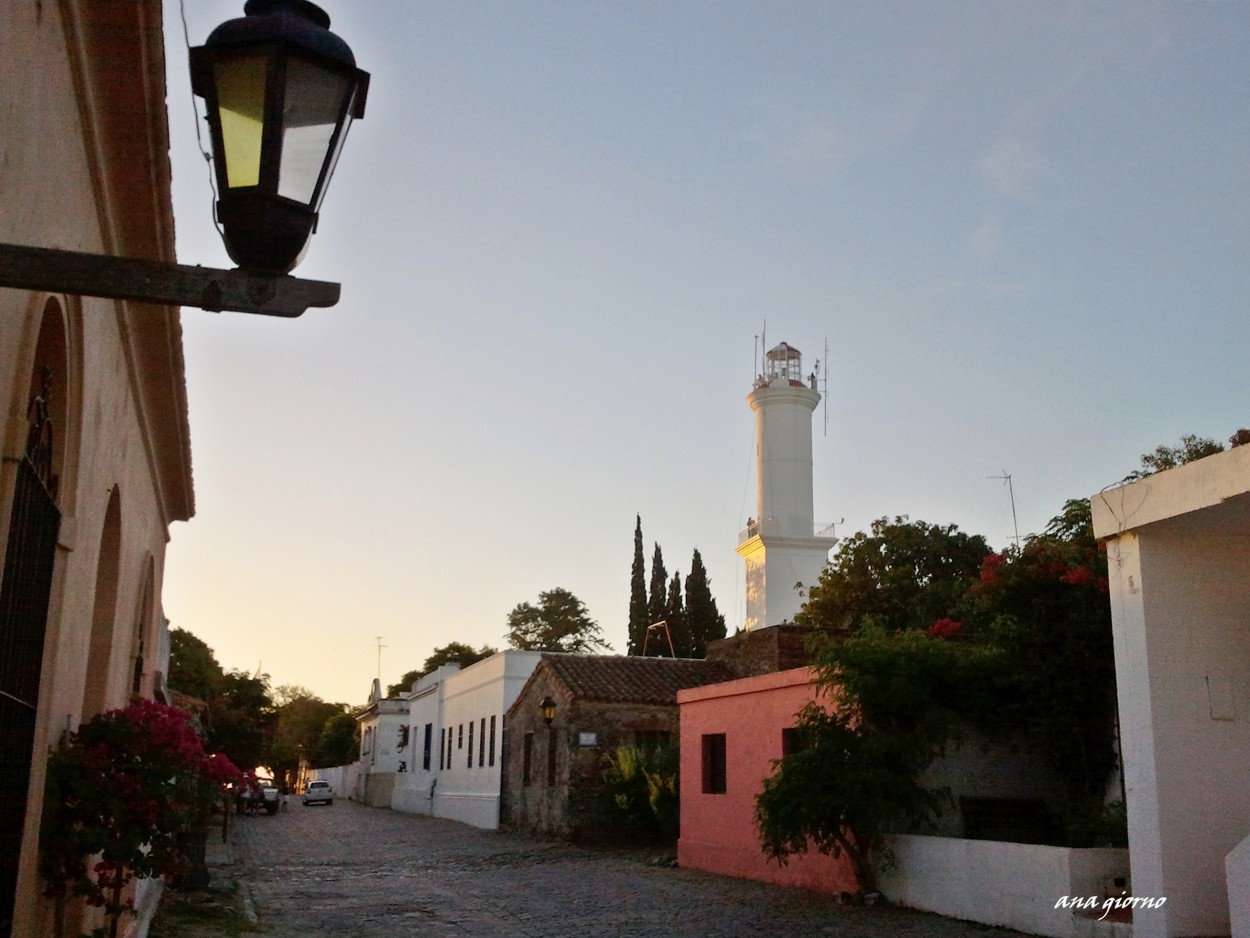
column 318, row 791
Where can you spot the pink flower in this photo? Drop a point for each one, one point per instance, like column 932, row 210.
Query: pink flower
column 944, row 628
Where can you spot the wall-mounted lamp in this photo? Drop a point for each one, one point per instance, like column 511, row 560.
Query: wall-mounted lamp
column 281, row 91
column 548, row 708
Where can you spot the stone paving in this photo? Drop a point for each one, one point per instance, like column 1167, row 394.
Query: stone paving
column 354, row 872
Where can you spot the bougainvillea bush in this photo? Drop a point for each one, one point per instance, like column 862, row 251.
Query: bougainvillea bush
column 120, row 792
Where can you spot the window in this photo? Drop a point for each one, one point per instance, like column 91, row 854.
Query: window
column 481, row 743
column 470, row 755
column 791, row 741
column 551, row 756
column 528, row 762
column 713, row 763
column 429, row 746
column 442, row 749
column 460, row 737
column 492, row 739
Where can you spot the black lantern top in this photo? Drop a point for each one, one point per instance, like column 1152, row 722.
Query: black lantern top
column 281, row 91
column 548, row 708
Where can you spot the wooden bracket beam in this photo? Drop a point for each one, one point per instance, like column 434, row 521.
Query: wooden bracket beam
column 130, row 278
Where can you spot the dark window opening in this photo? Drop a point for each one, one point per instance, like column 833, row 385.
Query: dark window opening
column 481, row 744
column 714, row 763
column 429, row 745
column 551, row 757
column 470, row 756
column 792, row 741
column 492, row 740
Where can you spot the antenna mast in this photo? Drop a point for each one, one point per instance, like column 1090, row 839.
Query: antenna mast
column 1006, row 476
column 380, row 647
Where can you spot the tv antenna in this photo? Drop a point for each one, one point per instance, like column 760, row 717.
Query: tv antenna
column 1006, row 477
column 821, row 377
column 380, row 647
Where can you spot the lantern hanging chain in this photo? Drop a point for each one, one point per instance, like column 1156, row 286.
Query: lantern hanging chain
column 195, row 110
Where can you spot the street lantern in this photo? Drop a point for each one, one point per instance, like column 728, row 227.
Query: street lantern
column 281, row 91
column 548, row 708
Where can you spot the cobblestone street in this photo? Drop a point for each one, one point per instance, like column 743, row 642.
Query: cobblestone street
column 353, row 872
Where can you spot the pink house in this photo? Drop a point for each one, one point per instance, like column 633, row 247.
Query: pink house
column 730, row 735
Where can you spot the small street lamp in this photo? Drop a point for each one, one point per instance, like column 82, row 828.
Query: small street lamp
column 548, row 708
column 281, row 91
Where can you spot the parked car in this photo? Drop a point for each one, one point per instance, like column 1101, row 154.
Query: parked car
column 318, row 791
column 270, row 796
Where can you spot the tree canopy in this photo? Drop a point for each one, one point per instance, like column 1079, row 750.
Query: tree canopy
column 926, row 635
column 560, row 622
column 451, row 653
column 1169, row 457
column 193, row 668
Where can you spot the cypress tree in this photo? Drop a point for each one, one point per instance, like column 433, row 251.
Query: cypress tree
column 675, row 615
column 637, row 594
column 657, row 603
column 704, row 623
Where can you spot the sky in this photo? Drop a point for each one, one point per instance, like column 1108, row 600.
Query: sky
column 563, row 230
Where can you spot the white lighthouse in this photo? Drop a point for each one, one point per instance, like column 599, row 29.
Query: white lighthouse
column 784, row 553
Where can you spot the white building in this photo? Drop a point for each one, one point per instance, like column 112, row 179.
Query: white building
column 1178, row 551
column 458, row 772
column 783, row 550
column 415, row 787
column 383, row 743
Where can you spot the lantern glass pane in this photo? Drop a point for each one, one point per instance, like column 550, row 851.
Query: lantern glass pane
column 241, row 111
column 315, row 100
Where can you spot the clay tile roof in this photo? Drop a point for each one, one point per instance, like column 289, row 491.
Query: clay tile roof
column 632, row 679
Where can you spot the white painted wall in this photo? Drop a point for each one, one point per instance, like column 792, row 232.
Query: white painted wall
column 414, row 789
column 1178, row 545
column 1182, row 626
column 468, row 790
column 1237, row 874
column 1013, row 885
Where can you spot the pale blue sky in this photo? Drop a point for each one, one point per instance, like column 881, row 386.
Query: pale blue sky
column 1023, row 229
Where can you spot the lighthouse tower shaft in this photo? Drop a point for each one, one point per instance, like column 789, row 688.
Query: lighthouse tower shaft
column 783, row 554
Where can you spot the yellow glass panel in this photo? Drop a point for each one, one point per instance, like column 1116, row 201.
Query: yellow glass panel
column 241, row 110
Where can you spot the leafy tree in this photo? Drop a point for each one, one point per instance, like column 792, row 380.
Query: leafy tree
column 240, row 719
column 301, row 719
column 560, row 622
column 338, row 744
column 451, row 653
column 638, row 618
column 892, row 705
column 193, row 668
column 901, row 574
column 704, row 622
column 657, row 603
column 1169, row 457
column 931, row 643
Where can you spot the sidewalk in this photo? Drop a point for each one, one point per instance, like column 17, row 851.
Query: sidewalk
column 224, row 910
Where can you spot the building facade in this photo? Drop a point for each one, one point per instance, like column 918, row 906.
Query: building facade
column 1178, row 551
column 95, row 442
column 383, row 743
column 731, row 734
column 601, row 702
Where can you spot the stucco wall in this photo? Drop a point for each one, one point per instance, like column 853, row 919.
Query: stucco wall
column 1237, row 874
column 718, row 830
column 469, row 788
column 1181, row 601
column 1015, row 885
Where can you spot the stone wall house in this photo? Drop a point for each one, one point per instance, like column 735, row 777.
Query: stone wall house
column 601, row 703
column 95, row 460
